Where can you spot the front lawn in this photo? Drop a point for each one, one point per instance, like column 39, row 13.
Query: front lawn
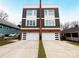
column 41, row 51
column 4, row 42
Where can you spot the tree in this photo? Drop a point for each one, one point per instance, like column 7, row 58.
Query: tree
column 74, row 23
column 69, row 25
column 65, row 26
column 3, row 15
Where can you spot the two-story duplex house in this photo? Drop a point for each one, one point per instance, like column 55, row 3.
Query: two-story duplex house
column 50, row 22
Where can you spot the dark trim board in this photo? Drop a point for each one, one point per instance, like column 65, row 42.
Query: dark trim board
column 33, row 30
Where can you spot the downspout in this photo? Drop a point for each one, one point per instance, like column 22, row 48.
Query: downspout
column 40, row 32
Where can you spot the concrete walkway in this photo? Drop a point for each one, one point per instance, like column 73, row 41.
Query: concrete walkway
column 20, row 49
column 60, row 49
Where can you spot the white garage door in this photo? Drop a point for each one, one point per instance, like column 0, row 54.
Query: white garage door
column 48, row 36
column 32, row 36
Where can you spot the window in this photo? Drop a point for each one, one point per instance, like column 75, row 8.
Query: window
column 49, row 23
column 56, row 36
column 0, row 26
column 74, row 34
column 27, row 22
column 35, row 12
column 68, row 34
column 31, row 12
column 31, row 23
column 45, row 12
column 49, row 12
column 56, row 39
column 56, row 33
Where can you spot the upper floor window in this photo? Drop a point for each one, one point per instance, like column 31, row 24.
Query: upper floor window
column 49, row 23
column 31, row 12
column 31, row 23
column 0, row 26
column 49, row 12
column 35, row 12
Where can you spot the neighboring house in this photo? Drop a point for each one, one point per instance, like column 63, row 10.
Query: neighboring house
column 7, row 28
column 72, row 33
column 31, row 22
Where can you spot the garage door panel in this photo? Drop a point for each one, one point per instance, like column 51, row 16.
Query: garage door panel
column 32, row 36
column 48, row 36
column 45, row 36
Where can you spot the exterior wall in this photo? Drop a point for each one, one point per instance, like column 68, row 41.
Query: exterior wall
column 72, row 38
column 8, row 30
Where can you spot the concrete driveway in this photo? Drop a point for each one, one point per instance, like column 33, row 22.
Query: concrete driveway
column 60, row 49
column 29, row 49
column 20, row 49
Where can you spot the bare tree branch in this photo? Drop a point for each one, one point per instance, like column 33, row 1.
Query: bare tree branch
column 3, row 15
column 74, row 23
column 69, row 25
column 65, row 26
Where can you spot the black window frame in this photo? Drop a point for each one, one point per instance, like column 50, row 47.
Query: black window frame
column 68, row 34
column 74, row 34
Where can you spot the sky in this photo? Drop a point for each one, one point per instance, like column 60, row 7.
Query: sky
column 68, row 9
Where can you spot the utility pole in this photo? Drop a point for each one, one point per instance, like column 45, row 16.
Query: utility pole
column 40, row 33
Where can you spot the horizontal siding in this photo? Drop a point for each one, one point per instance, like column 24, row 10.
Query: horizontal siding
column 8, row 30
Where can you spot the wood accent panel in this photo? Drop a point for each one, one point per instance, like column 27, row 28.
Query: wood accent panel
column 56, row 12
column 35, row 30
column 23, row 22
column 57, row 23
column 24, row 13
column 38, row 13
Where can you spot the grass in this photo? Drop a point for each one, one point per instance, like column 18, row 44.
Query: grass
column 4, row 42
column 73, row 43
column 41, row 51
